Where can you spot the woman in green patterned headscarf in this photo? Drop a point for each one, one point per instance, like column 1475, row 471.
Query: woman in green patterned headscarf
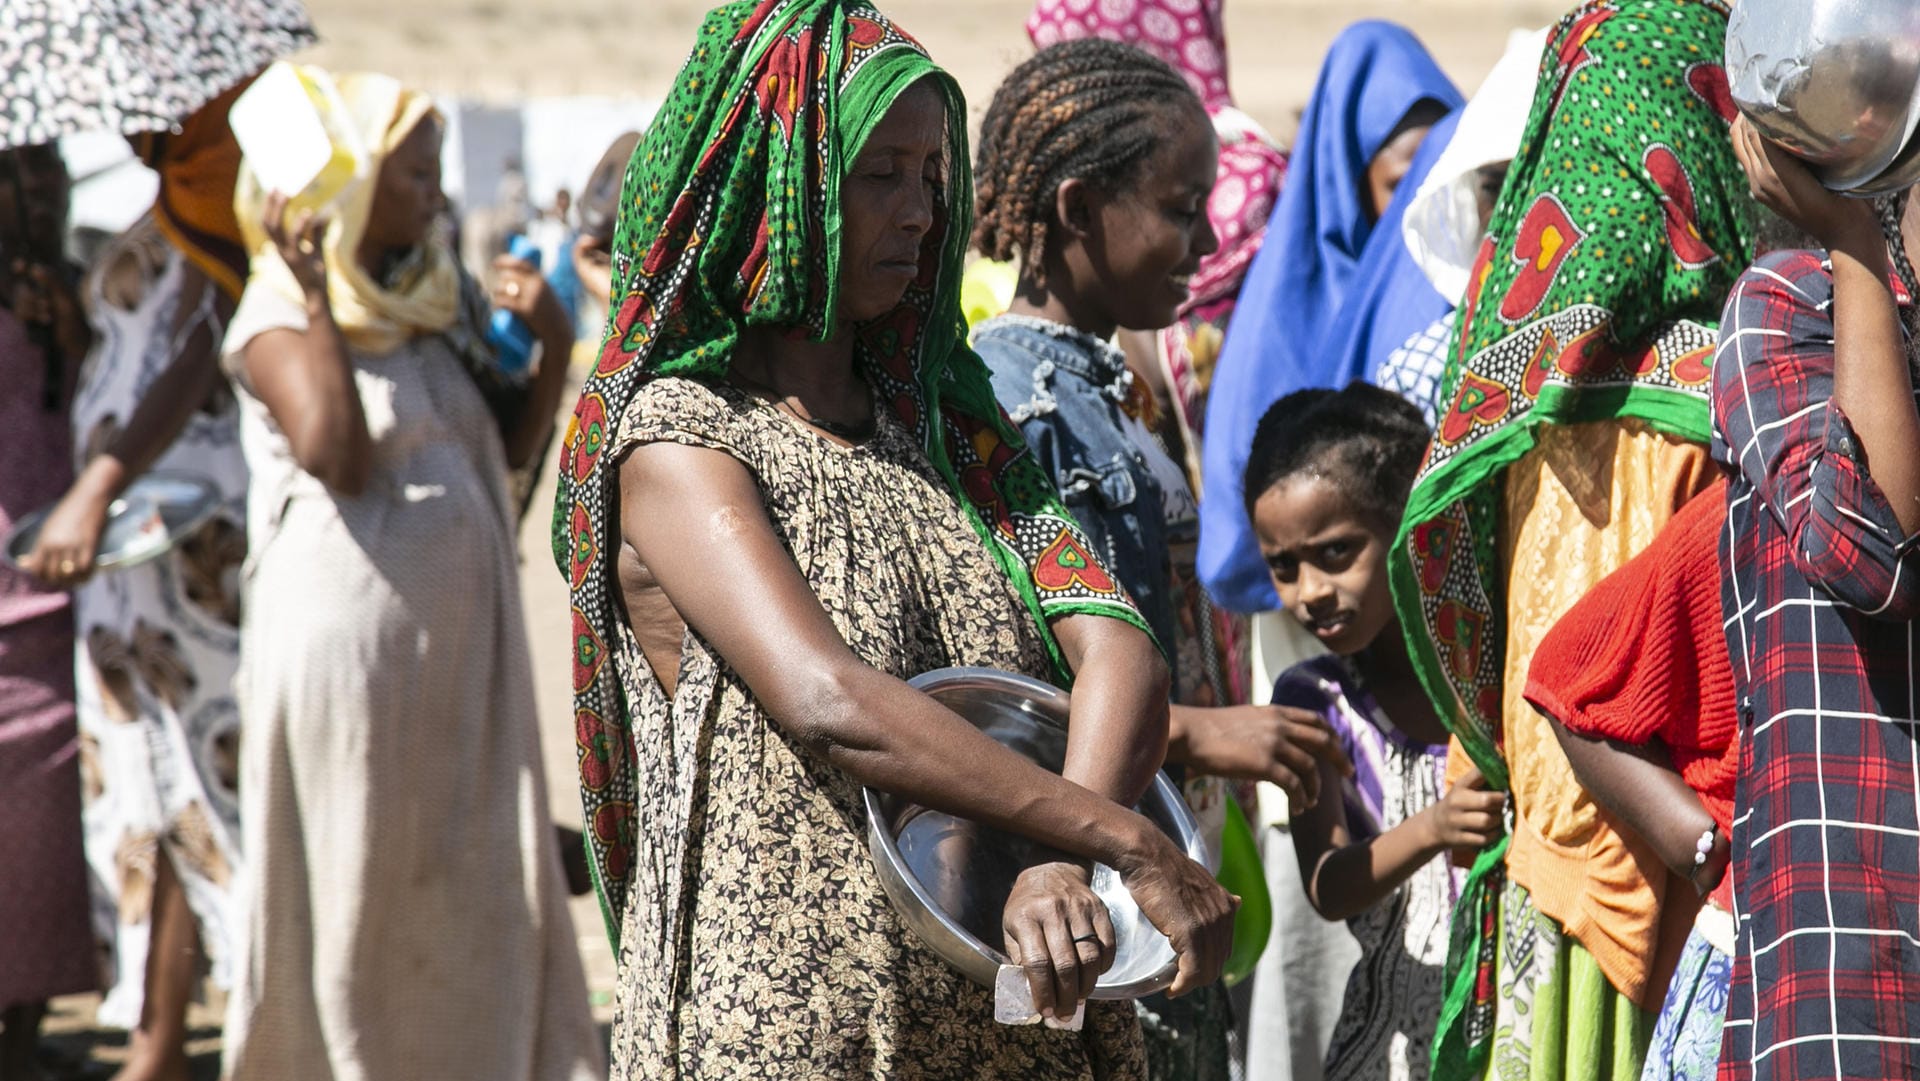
column 785, row 489
column 1576, row 426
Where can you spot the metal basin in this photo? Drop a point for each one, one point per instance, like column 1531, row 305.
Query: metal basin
column 1835, row 81
column 949, row 877
column 155, row 513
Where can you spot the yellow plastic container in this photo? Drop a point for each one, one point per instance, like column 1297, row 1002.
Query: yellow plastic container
column 298, row 136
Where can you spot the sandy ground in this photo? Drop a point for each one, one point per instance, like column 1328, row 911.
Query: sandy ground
column 504, row 51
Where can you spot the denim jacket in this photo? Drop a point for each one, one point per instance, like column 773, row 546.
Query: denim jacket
column 1064, row 389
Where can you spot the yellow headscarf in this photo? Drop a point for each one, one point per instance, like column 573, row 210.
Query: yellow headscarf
column 374, row 319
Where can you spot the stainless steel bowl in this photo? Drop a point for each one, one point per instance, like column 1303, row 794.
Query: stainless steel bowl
column 949, row 878
column 1899, row 176
column 1835, row 81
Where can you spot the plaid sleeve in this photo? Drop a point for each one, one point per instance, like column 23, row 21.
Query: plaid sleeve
column 1773, row 385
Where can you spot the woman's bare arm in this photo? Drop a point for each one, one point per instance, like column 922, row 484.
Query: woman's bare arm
column 695, row 518
column 64, row 553
column 1117, row 736
column 1639, row 786
column 305, row 378
column 520, row 289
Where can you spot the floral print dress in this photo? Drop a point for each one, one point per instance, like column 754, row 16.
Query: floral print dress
column 159, row 642
column 757, row 941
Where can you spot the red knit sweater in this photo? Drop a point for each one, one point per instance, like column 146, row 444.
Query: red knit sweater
column 1644, row 655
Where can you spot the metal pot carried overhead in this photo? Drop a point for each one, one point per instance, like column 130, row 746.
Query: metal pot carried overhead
column 1837, row 82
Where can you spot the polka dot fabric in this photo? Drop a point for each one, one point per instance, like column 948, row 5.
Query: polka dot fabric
column 1187, row 34
column 68, row 66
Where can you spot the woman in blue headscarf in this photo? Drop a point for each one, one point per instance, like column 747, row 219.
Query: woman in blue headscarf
column 1378, row 95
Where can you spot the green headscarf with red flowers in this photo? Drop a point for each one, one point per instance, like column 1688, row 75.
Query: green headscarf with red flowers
column 1622, row 224
column 729, row 218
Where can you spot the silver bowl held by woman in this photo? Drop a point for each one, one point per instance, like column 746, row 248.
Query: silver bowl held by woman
column 1835, row 81
column 949, row 877
column 156, row 512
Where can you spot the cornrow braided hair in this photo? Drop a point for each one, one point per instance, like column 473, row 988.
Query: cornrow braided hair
column 1089, row 109
column 1891, row 209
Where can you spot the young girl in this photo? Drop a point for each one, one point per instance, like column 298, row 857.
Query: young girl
column 1326, row 481
column 1095, row 164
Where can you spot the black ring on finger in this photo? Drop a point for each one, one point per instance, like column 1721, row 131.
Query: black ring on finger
column 1088, row 937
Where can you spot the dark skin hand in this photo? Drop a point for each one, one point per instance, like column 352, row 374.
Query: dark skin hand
column 1872, row 383
column 63, row 554
column 593, row 264
column 1291, row 747
column 1345, row 877
column 520, row 288
column 1640, row 787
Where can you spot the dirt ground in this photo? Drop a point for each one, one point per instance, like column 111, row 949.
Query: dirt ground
column 504, row 51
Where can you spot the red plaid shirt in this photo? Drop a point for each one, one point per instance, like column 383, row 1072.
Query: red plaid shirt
column 1820, row 601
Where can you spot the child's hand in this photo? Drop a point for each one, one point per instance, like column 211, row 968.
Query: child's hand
column 1468, row 816
column 1281, row 744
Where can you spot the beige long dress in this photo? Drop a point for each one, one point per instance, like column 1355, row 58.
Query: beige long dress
column 757, row 941
column 404, row 910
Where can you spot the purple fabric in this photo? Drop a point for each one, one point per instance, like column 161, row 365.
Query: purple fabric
column 1328, row 686
column 46, row 945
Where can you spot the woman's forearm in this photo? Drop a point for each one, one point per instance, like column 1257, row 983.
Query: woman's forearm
column 886, row 735
column 173, row 397
column 334, row 432
column 1640, row 787
column 535, row 424
column 1872, row 380
column 1117, row 735
column 305, row 379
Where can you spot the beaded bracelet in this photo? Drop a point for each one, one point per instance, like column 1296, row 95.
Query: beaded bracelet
column 1704, row 846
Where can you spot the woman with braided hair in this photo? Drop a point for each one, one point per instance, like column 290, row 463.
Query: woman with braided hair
column 786, row 489
column 1095, row 166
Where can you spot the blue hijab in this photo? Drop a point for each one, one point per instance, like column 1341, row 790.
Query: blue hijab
column 1392, row 299
column 1290, row 321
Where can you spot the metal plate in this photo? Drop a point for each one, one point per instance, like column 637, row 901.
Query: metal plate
column 949, row 877
column 155, row 513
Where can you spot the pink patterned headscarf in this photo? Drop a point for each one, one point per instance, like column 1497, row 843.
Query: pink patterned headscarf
column 1190, row 35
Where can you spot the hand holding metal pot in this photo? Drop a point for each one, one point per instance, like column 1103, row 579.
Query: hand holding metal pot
column 1786, row 185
